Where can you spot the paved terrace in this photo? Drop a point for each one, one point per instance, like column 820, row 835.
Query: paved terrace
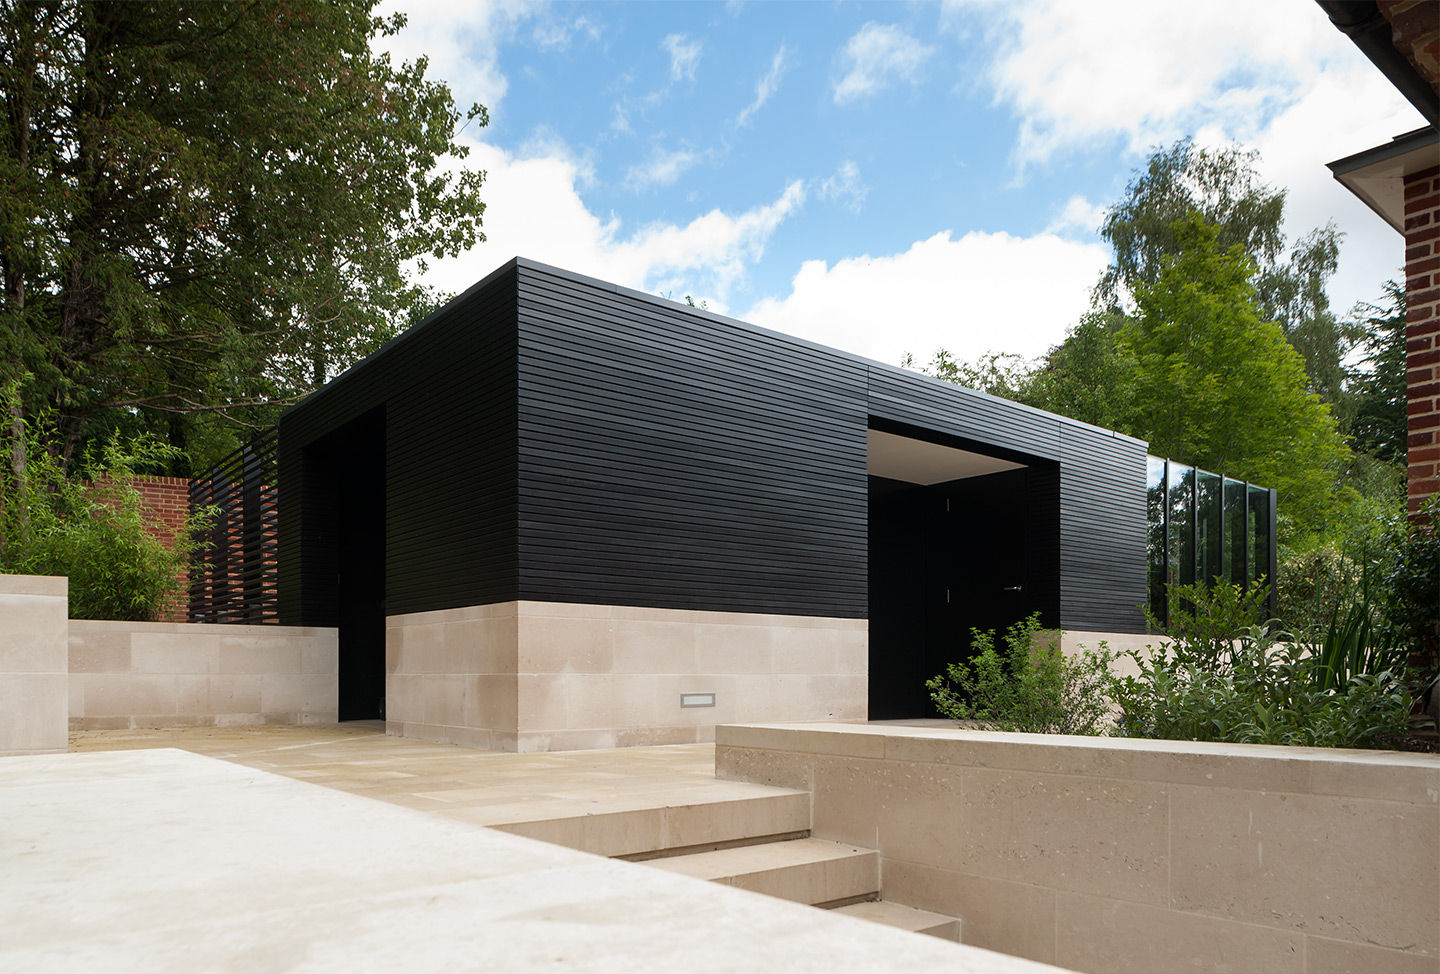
column 164, row 860
column 609, row 802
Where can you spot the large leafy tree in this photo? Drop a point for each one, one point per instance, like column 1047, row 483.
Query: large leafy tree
column 1223, row 186
column 1214, row 383
column 209, row 207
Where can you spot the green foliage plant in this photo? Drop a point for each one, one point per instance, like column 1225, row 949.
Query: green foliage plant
column 1222, row 676
column 1353, row 647
column 90, row 525
column 1027, row 685
column 1410, row 585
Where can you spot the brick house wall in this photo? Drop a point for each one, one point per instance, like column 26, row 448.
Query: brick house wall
column 166, row 502
column 1422, row 334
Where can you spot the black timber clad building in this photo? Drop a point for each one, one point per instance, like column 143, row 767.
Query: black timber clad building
column 550, row 437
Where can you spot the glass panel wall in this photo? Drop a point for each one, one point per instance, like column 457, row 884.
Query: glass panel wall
column 1209, row 528
column 1155, row 533
column 1259, row 512
column 1204, row 527
column 1181, row 569
column 1237, row 570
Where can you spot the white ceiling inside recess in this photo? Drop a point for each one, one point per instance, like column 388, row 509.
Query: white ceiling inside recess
column 919, row 462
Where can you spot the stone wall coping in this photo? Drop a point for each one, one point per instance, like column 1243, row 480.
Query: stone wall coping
column 1392, row 775
column 197, row 628
column 56, row 585
column 583, row 610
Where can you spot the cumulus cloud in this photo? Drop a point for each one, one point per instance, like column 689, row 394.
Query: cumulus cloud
column 1276, row 76
column 876, row 57
column 844, row 186
column 767, row 86
column 684, row 56
column 1077, row 73
column 534, row 209
column 462, row 42
column 969, row 294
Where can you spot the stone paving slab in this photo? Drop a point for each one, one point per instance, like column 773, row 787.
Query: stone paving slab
column 163, row 860
column 615, row 802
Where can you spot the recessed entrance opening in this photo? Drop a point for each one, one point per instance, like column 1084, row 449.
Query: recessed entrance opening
column 962, row 537
column 345, row 523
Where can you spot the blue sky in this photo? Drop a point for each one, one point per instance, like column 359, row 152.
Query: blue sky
column 885, row 177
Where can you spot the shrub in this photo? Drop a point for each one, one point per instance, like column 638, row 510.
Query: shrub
column 1223, row 676
column 1411, row 585
column 92, row 528
column 1029, row 685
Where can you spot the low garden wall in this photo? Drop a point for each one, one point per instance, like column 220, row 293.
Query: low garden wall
column 1120, row 855
column 33, row 612
column 161, row 674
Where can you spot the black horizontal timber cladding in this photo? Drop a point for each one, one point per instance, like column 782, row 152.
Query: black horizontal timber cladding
column 447, row 390
column 555, row 438
column 671, row 460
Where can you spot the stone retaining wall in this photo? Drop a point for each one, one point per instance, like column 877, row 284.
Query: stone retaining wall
column 161, row 674
column 1119, row 855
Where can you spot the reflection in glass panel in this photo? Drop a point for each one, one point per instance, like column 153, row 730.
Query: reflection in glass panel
column 1155, row 533
column 1182, row 532
column 1259, row 533
column 1235, row 563
column 1209, row 526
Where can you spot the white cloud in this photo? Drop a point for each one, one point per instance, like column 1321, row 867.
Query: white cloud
column 1078, row 215
column 767, row 87
column 844, row 187
column 970, row 295
column 462, row 42
column 1273, row 75
column 684, row 56
column 556, row 34
column 877, row 56
column 1347, row 109
column 1081, row 73
column 534, row 209
column 661, row 169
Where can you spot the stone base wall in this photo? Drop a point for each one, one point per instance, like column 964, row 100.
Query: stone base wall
column 34, row 611
column 544, row 676
column 160, row 674
column 1127, row 856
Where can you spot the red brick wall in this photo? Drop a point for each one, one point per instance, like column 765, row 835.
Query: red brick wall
column 166, row 502
column 1422, row 332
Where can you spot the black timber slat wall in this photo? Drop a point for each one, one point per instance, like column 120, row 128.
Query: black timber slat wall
column 447, row 388
column 669, row 459
column 555, row 438
column 1102, row 530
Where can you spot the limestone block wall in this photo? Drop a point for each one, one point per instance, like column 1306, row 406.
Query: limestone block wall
column 1118, row 855
column 161, row 674
column 34, row 611
column 543, row 676
column 450, row 675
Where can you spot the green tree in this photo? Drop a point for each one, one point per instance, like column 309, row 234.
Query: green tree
column 210, row 207
column 1224, row 188
column 1216, row 385
column 1378, row 425
column 1083, row 377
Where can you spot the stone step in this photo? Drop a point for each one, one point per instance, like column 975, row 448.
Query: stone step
column 813, row 871
column 904, row 917
column 648, row 825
